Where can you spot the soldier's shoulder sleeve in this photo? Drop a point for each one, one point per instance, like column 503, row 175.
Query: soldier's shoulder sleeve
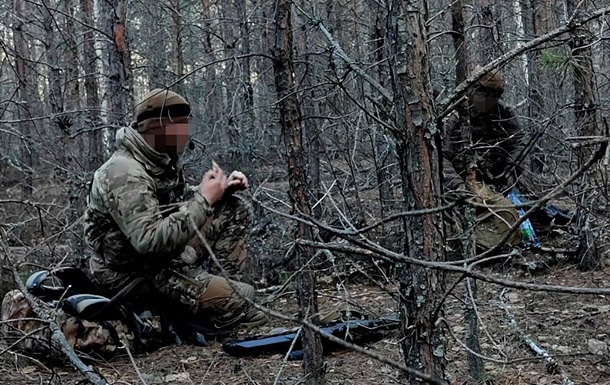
column 453, row 136
column 129, row 195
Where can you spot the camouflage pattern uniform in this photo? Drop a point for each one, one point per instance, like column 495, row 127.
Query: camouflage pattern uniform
column 138, row 226
column 497, row 138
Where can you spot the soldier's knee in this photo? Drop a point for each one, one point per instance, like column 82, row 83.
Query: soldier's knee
column 243, row 208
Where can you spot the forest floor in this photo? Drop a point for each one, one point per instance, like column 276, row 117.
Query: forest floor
column 574, row 330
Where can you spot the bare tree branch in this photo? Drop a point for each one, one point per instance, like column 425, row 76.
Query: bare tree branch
column 447, row 105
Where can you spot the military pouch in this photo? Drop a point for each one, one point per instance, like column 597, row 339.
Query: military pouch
column 495, row 215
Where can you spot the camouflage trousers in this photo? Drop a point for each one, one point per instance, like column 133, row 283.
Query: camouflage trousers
column 212, row 298
column 227, row 233
column 190, row 282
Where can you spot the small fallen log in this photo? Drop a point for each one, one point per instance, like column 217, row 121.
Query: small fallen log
column 552, row 366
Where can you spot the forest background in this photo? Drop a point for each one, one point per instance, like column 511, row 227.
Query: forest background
column 333, row 109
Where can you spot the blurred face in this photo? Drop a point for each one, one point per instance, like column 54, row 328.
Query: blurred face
column 171, row 138
column 482, row 102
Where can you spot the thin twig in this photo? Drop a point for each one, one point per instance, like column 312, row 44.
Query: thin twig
column 24, row 337
column 285, row 360
column 372, row 250
column 133, row 363
column 209, row 368
column 304, row 322
column 552, row 365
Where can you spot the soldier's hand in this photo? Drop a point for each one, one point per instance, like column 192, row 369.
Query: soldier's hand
column 237, row 181
column 213, row 184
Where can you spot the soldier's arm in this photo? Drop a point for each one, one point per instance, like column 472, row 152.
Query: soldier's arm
column 452, row 137
column 131, row 201
column 454, row 147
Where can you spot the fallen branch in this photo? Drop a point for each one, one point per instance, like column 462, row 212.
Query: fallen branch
column 285, row 360
column 372, row 250
column 552, row 366
column 133, row 363
column 303, row 322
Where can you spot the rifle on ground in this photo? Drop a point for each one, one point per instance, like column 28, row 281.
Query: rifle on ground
column 356, row 332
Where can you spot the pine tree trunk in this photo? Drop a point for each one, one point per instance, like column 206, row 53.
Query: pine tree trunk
column 418, row 144
column 535, row 97
column 6, row 276
column 24, row 74
column 178, row 64
column 488, row 34
column 54, row 98
column 476, row 366
column 72, row 83
column 588, row 122
column 246, row 119
column 156, row 48
column 215, row 100
column 290, row 121
column 118, row 66
column 91, row 83
column 382, row 152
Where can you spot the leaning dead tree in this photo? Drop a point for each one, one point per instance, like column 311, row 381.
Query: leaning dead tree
column 290, row 122
column 418, row 144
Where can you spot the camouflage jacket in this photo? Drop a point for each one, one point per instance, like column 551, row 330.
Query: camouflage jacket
column 497, row 139
column 135, row 221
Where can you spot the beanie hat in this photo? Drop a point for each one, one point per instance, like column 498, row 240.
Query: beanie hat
column 492, row 84
column 158, row 106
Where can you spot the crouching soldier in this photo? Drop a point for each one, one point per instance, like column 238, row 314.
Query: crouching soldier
column 482, row 162
column 496, row 139
column 140, row 228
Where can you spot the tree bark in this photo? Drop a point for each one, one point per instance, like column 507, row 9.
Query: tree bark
column 55, row 99
column 71, row 78
column 588, row 122
column 178, row 64
column 246, row 119
column 215, row 99
column 476, row 366
column 118, row 66
column 535, row 98
column 418, row 143
column 382, row 151
column 489, row 33
column 24, row 74
column 6, row 281
column 156, row 49
column 290, row 121
column 91, row 83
